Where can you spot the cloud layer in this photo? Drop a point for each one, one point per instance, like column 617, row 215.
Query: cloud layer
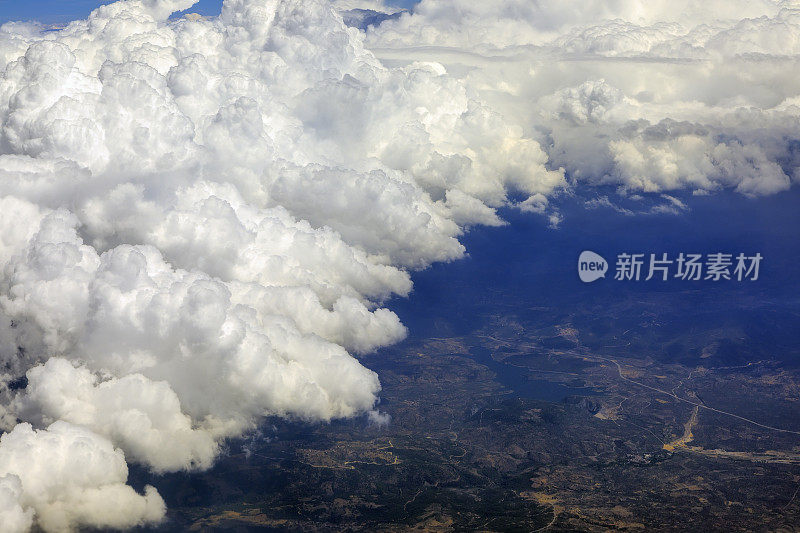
column 201, row 218
column 648, row 96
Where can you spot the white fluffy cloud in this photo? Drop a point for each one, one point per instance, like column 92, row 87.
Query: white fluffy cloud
column 66, row 476
column 199, row 221
column 201, row 218
column 649, row 96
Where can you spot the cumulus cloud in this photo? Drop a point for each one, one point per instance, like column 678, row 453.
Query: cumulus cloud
column 200, row 220
column 66, row 476
column 648, row 96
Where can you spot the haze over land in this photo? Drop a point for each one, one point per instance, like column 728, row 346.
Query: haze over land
column 201, row 218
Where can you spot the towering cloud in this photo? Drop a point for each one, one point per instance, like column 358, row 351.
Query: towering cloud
column 199, row 221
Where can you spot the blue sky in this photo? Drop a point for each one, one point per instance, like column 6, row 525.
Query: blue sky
column 57, row 11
